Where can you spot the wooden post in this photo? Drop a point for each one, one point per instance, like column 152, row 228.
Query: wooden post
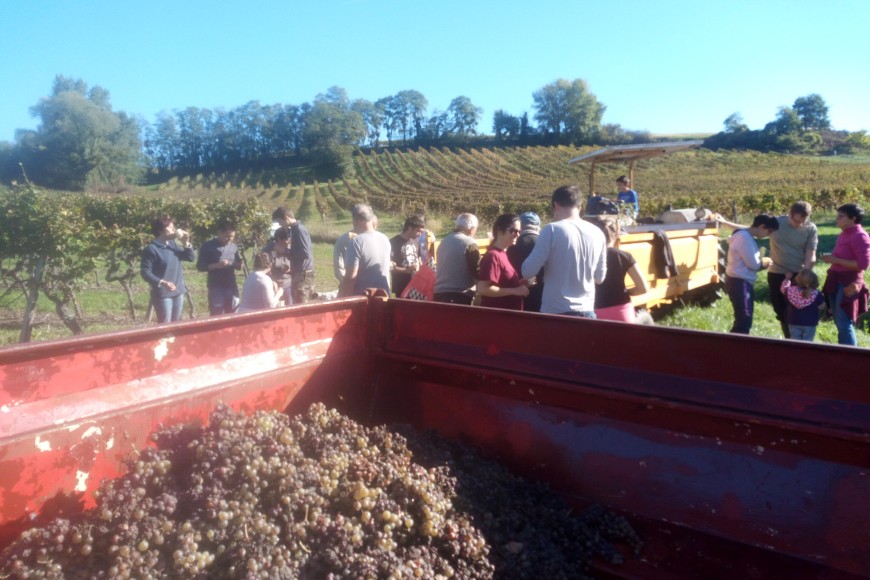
column 592, row 178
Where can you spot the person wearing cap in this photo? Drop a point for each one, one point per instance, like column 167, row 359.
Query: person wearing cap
column 530, row 225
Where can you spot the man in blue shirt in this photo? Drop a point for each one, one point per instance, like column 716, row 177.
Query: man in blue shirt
column 626, row 194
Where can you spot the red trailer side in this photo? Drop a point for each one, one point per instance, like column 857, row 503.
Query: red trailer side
column 732, row 455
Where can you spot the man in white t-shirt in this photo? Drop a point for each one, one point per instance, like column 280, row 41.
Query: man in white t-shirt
column 573, row 255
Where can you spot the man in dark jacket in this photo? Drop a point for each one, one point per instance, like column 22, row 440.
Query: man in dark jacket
column 301, row 256
column 531, row 227
column 161, row 268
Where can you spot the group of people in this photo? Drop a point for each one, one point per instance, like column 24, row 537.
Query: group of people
column 283, row 271
column 570, row 266
column 795, row 292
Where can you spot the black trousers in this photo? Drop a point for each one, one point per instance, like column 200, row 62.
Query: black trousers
column 778, row 301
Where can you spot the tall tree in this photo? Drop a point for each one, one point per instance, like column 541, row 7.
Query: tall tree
column 505, row 126
column 331, row 132
column 405, row 112
column 568, row 111
column 80, row 140
column 734, row 124
column 463, row 116
column 373, row 116
column 786, row 122
column 812, row 112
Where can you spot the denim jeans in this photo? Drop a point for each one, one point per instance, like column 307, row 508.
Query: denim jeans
column 807, row 333
column 301, row 286
column 168, row 309
column 845, row 326
column 740, row 292
column 222, row 300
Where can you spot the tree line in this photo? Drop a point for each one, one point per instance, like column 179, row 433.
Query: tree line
column 82, row 143
column 805, row 127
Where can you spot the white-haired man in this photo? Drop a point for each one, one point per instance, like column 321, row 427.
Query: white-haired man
column 367, row 259
column 457, row 260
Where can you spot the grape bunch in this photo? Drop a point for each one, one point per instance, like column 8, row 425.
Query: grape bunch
column 315, row 496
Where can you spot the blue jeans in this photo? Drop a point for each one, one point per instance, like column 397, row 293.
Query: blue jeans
column 740, row 292
column 797, row 332
column 845, row 326
column 168, row 309
column 222, row 300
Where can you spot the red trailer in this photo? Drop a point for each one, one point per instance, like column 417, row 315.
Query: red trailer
column 732, row 456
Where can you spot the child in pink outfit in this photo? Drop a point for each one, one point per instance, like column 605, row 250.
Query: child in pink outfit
column 804, row 304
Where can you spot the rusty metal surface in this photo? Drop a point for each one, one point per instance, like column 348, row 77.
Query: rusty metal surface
column 765, row 443
column 723, row 447
column 73, row 410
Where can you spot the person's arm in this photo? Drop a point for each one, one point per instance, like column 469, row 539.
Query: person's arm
column 338, row 258
column 146, row 268
column 640, row 284
column 487, row 288
column 187, row 253
column 351, row 263
column 347, row 284
column 237, row 260
column 730, row 225
column 490, row 272
column 809, row 259
column 860, row 246
column 601, row 266
column 472, row 260
column 810, row 255
column 538, row 256
column 202, row 264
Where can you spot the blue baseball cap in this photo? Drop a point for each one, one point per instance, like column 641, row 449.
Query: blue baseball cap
column 529, row 218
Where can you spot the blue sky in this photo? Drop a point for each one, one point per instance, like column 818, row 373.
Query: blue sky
column 666, row 66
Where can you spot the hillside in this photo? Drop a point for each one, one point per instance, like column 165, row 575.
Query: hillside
column 490, row 181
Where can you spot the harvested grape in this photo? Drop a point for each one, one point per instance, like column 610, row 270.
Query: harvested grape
column 316, row 496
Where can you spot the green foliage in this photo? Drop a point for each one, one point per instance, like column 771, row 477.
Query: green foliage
column 80, row 141
column 567, row 111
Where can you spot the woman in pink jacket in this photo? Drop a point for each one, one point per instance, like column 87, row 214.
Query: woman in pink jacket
column 844, row 287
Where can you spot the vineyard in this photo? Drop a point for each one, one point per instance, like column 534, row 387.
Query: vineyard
column 491, row 181
column 77, row 255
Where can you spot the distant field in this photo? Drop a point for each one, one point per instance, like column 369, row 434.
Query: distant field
column 491, row 181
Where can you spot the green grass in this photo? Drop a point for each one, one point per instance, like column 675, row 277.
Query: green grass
column 720, row 316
